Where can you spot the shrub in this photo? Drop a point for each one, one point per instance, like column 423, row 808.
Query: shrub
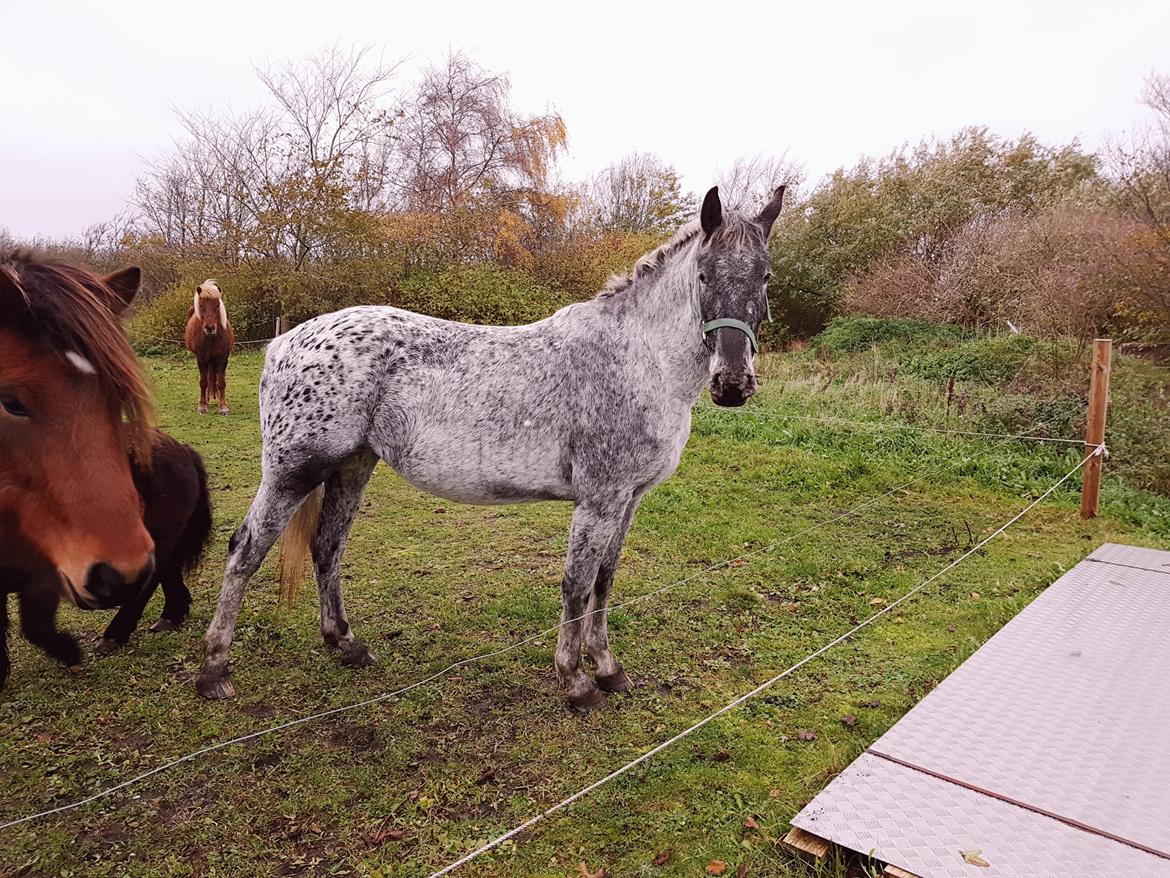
column 479, row 294
column 988, row 360
column 850, row 334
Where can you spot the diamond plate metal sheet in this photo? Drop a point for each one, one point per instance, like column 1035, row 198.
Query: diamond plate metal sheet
column 1132, row 556
column 1065, row 709
column 921, row 824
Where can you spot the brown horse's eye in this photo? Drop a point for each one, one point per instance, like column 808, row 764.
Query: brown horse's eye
column 13, row 407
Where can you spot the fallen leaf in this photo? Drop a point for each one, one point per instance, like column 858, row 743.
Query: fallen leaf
column 721, row 756
column 439, row 510
column 741, row 871
column 484, row 776
column 740, row 562
column 849, row 721
column 716, row 867
column 878, row 602
column 873, row 704
column 773, row 794
column 663, row 858
column 973, row 858
column 806, row 734
column 750, row 823
column 585, row 873
column 975, row 595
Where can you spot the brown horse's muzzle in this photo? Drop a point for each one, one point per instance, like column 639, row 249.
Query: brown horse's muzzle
column 209, row 330
column 105, row 587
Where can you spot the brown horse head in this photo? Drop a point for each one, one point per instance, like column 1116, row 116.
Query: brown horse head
column 209, row 308
column 72, row 399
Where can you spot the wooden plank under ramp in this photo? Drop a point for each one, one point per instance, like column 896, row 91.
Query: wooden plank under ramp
column 1044, row 754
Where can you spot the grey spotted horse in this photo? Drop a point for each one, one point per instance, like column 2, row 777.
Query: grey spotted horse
column 591, row 405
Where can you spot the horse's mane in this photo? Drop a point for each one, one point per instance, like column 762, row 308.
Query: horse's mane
column 210, row 289
column 69, row 308
column 735, row 230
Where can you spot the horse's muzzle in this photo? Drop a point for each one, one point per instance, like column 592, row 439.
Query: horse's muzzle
column 732, row 390
column 209, row 330
column 105, row 587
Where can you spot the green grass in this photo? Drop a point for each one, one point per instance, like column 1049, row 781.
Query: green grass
column 404, row 787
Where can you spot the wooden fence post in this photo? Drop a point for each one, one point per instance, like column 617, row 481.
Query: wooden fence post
column 1095, row 430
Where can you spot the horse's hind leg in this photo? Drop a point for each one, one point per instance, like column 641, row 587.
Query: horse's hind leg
column 38, row 623
column 593, row 529
column 5, row 663
column 343, row 496
column 276, row 501
column 610, row 676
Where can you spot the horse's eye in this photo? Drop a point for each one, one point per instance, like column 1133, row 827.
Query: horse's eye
column 767, row 276
column 702, row 278
column 13, row 407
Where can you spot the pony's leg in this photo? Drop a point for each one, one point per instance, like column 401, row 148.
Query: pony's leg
column 221, row 385
column 204, row 378
column 176, row 601
column 343, row 496
column 593, row 528
column 275, row 503
column 610, row 676
column 38, row 622
column 5, row 663
column 117, row 633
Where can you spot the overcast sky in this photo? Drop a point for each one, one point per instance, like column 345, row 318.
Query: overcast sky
column 88, row 88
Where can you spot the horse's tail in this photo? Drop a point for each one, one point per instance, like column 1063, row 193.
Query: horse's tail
column 197, row 534
column 294, row 545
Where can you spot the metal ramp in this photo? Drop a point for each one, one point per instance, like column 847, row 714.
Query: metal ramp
column 1046, row 753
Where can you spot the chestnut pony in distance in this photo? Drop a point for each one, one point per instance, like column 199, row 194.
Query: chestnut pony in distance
column 210, row 338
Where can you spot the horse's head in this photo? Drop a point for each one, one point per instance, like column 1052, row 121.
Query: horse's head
column 209, row 307
column 73, row 402
column 734, row 268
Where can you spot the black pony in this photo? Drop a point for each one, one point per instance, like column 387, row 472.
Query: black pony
column 177, row 514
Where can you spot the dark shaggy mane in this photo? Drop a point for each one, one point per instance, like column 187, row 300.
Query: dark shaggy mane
column 68, row 308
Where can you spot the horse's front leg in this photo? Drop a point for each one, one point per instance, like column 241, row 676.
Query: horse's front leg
column 204, row 379
column 221, row 385
column 610, row 676
column 117, row 633
column 38, row 623
column 343, row 496
column 593, row 528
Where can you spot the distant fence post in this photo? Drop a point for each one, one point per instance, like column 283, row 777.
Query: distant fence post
column 1095, row 431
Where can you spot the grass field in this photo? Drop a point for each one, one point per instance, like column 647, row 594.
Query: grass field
column 406, row 786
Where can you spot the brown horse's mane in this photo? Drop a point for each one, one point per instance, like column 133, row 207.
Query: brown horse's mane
column 69, row 309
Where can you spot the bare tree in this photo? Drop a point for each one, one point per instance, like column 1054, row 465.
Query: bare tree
column 640, row 193
column 459, row 140
column 749, row 182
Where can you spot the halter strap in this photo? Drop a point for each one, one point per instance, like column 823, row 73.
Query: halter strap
column 731, row 323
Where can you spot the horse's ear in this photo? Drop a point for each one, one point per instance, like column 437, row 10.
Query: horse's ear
column 771, row 210
column 711, row 216
column 124, row 284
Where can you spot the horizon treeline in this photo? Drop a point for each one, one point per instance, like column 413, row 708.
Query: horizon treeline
column 352, row 186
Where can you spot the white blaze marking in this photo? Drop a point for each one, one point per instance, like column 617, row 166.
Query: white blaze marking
column 80, row 363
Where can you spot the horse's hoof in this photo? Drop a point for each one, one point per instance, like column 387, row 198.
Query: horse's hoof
column 107, row 646
column 215, row 688
column 355, row 654
column 162, row 625
column 224, row 412
column 202, row 409
column 616, row 682
column 587, row 701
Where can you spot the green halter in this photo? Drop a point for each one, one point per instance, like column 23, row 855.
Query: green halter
column 731, row 323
